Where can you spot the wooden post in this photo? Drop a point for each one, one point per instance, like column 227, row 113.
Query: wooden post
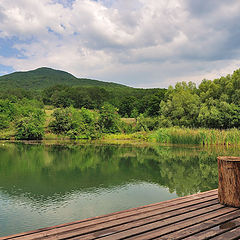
column 229, row 181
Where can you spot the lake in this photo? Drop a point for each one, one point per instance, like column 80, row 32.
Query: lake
column 48, row 184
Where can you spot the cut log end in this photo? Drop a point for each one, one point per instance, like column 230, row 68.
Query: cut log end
column 229, row 181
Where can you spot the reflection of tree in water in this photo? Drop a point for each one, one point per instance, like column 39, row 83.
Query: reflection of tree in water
column 47, row 171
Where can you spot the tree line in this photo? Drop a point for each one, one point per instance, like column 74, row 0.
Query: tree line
column 213, row 104
column 84, row 112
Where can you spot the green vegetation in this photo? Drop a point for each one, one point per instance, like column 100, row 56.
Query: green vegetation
column 176, row 135
column 94, row 109
column 22, row 120
column 44, row 77
column 215, row 104
column 31, row 127
column 75, row 123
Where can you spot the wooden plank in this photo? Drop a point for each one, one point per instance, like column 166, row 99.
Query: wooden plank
column 162, row 204
column 111, row 217
column 137, row 220
column 209, row 228
column 135, row 228
column 131, row 222
column 160, row 228
column 115, row 222
column 229, row 235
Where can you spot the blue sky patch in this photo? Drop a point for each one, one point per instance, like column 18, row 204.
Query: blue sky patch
column 5, row 69
column 7, row 49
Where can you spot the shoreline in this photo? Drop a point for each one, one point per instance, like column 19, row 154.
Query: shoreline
column 163, row 136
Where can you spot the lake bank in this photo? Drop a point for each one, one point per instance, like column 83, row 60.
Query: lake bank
column 173, row 135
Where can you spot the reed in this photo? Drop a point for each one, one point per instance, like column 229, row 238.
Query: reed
column 176, row 135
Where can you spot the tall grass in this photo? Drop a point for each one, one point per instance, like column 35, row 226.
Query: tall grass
column 175, row 135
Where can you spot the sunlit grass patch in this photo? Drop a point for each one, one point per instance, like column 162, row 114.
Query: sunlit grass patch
column 176, row 135
column 124, row 136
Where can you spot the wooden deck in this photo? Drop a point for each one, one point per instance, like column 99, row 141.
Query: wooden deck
column 198, row 216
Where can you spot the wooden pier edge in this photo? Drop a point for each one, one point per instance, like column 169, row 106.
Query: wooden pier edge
column 163, row 204
column 191, row 217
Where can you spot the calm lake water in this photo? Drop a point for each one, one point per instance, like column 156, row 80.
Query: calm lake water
column 43, row 185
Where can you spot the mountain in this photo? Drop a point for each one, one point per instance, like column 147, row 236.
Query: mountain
column 45, row 77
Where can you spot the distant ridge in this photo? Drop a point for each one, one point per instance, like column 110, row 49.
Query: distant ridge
column 44, row 77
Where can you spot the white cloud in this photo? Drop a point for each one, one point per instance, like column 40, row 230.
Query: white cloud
column 139, row 42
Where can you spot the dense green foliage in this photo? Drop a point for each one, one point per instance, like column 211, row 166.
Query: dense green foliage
column 109, row 120
column 25, row 118
column 61, row 89
column 75, row 123
column 85, row 123
column 130, row 102
column 95, row 108
column 214, row 104
column 31, row 127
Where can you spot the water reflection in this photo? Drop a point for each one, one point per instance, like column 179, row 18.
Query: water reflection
column 43, row 185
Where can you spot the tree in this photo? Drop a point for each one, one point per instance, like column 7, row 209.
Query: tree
column 127, row 105
column 109, row 120
column 75, row 123
column 182, row 105
column 31, row 127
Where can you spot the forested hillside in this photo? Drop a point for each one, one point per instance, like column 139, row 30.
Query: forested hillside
column 45, row 77
column 89, row 111
column 61, row 89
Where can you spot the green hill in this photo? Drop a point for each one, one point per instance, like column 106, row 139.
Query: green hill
column 46, row 77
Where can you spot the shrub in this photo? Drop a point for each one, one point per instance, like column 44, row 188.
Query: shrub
column 109, row 120
column 4, row 121
column 147, row 123
column 85, row 124
column 76, row 123
column 62, row 122
column 31, row 127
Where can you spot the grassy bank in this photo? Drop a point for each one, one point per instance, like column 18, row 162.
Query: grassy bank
column 28, row 120
column 173, row 135
column 200, row 136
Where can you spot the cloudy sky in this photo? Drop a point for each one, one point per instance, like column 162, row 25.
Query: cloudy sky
column 140, row 43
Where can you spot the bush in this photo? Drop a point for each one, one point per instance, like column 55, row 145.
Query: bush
column 62, row 122
column 109, row 119
column 76, row 123
column 31, row 127
column 4, row 121
column 147, row 123
column 85, row 124
column 8, row 112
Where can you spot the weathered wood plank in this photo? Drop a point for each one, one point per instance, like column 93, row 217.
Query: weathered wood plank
column 43, row 233
column 209, row 228
column 132, row 222
column 199, row 216
column 172, row 224
column 116, row 222
column 189, row 220
column 229, row 235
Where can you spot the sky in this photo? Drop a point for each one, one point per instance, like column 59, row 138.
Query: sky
column 139, row 43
